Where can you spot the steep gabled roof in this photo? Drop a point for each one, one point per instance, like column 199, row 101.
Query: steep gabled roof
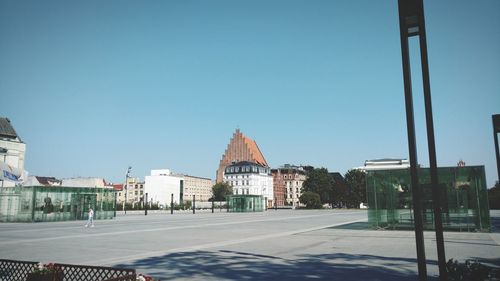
column 255, row 151
column 6, row 129
column 240, row 148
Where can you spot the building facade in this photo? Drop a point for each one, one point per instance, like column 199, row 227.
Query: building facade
column 132, row 192
column 287, row 181
column 12, row 153
column 161, row 185
column 240, row 148
column 249, row 178
column 200, row 187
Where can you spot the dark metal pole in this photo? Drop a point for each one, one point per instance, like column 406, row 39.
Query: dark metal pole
column 146, row 205
column 172, row 204
column 194, row 203
column 126, row 195
column 496, row 130
column 412, row 147
column 115, row 206
column 436, row 193
column 213, row 205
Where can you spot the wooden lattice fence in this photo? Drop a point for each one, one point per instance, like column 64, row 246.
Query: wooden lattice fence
column 12, row 270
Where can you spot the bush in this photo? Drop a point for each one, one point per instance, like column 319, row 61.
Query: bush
column 311, row 200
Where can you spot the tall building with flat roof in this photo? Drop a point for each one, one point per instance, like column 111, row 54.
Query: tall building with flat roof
column 240, row 148
column 198, row 186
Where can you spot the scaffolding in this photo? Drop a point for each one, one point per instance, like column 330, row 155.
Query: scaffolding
column 464, row 199
column 55, row 203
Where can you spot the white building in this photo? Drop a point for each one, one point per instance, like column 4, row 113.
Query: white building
column 250, row 178
column 12, row 152
column 160, row 186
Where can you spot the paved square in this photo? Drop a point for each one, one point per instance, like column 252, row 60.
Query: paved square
column 283, row 244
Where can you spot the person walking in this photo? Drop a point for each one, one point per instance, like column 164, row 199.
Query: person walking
column 90, row 221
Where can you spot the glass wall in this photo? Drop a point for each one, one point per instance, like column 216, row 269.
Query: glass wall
column 245, row 203
column 55, row 203
column 463, row 191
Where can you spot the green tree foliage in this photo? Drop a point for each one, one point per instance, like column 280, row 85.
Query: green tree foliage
column 494, row 196
column 319, row 181
column 311, row 200
column 221, row 190
column 356, row 188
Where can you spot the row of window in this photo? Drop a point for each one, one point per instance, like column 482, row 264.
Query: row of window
column 242, row 176
column 241, row 191
column 233, row 183
column 247, row 169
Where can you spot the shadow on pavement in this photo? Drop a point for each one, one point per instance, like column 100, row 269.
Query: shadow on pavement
column 230, row 265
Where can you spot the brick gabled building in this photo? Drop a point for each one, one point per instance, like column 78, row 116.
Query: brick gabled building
column 240, row 148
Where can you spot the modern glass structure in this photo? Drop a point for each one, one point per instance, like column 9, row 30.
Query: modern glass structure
column 55, row 203
column 245, row 203
column 463, row 193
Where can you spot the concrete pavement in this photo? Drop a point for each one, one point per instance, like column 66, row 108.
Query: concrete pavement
column 283, row 244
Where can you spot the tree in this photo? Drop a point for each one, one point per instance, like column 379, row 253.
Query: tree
column 356, row 188
column 221, row 190
column 311, row 200
column 320, row 182
column 494, row 196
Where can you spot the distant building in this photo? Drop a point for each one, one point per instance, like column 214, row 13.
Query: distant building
column 240, row 148
column 41, row 181
column 248, row 178
column 160, row 186
column 132, row 192
column 384, row 164
column 200, row 187
column 12, row 152
column 83, row 182
column 287, row 182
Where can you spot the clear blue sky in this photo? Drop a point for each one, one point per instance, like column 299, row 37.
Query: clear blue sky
column 95, row 86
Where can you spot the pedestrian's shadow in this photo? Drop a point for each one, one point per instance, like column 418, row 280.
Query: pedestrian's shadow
column 230, row 265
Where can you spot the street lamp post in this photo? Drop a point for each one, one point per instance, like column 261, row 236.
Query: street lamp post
column 411, row 23
column 127, row 176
